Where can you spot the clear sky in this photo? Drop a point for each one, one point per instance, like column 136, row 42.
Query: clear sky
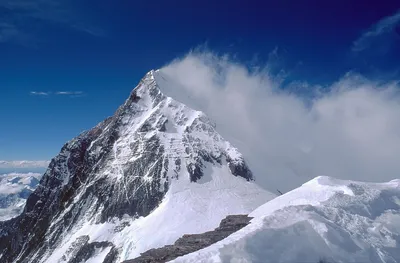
column 66, row 65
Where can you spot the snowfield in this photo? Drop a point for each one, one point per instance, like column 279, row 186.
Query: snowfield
column 324, row 219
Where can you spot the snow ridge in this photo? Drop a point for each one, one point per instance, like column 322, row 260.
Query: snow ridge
column 325, row 219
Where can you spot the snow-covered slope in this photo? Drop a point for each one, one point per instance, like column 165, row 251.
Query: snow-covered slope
column 141, row 179
column 187, row 208
column 325, row 219
column 15, row 188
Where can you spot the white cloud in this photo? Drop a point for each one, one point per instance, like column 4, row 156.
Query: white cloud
column 24, row 164
column 383, row 27
column 40, row 93
column 69, row 93
column 350, row 132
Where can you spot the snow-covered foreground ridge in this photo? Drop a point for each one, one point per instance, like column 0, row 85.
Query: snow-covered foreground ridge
column 324, row 219
column 152, row 172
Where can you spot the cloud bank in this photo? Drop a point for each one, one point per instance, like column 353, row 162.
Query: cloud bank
column 350, row 130
column 24, row 164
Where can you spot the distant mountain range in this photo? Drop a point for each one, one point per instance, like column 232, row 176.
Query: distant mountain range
column 23, row 164
column 15, row 188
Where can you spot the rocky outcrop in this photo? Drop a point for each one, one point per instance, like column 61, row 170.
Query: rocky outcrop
column 191, row 243
column 89, row 250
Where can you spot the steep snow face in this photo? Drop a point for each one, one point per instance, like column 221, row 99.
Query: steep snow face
column 141, row 179
column 325, row 219
column 15, row 188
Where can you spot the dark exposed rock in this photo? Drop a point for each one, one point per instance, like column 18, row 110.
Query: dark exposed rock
column 50, row 197
column 195, row 171
column 88, row 250
column 240, row 169
column 191, row 243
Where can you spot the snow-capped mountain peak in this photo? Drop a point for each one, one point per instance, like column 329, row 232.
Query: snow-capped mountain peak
column 140, row 179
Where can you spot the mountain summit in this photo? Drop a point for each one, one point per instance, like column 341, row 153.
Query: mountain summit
column 140, row 179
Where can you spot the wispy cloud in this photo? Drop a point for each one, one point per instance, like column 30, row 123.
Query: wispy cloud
column 386, row 27
column 22, row 21
column 39, row 93
column 23, row 164
column 71, row 94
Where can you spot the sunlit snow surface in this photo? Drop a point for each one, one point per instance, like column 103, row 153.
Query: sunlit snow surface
column 324, row 219
column 14, row 190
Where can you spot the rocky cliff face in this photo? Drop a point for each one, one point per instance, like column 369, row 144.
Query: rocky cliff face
column 109, row 180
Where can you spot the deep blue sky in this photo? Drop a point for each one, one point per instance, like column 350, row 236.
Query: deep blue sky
column 99, row 50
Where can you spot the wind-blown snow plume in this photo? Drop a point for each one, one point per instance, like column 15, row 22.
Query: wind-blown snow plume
column 351, row 130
